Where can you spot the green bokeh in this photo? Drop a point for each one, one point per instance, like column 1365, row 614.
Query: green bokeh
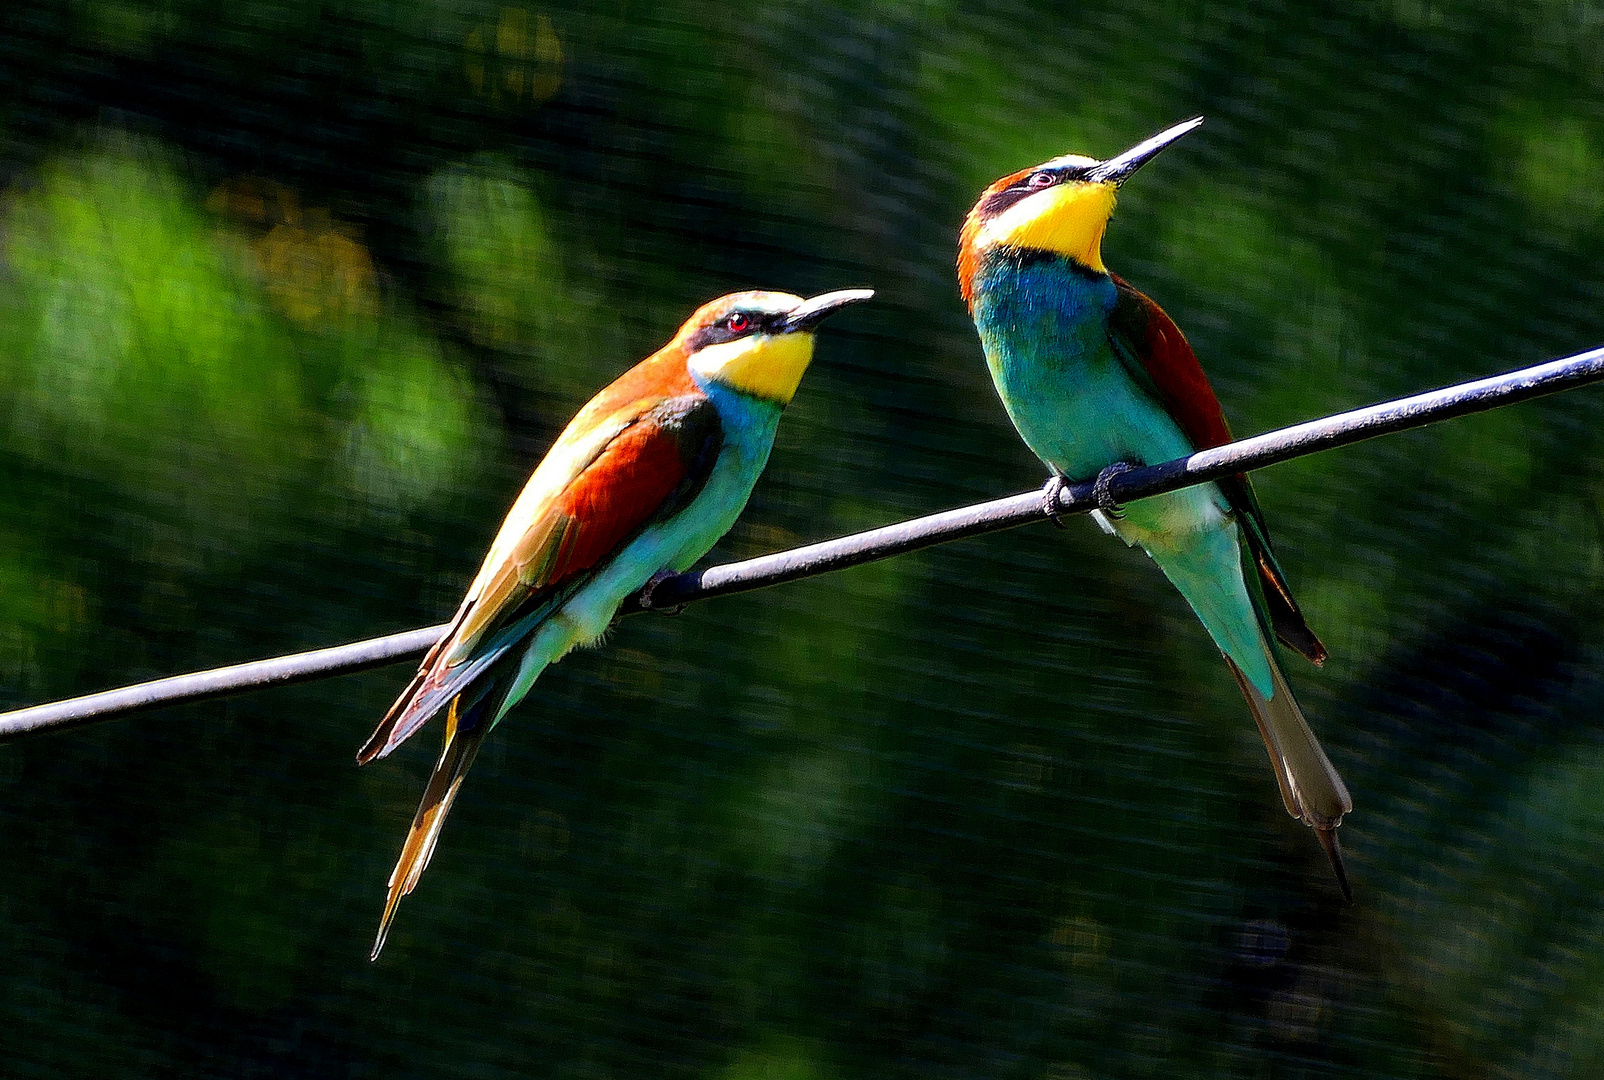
column 292, row 297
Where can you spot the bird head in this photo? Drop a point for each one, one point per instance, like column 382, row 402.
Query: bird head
column 759, row 343
column 1061, row 206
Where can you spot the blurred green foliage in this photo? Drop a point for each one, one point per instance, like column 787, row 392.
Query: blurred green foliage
column 292, row 297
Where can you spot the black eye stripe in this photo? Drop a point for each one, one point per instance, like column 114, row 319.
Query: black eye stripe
column 1062, row 174
column 720, row 331
column 997, row 202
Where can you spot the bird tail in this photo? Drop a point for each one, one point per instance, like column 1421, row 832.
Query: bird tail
column 438, row 683
column 390, row 733
column 1212, row 567
column 1311, row 787
column 466, row 728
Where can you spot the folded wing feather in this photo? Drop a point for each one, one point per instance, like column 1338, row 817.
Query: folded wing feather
column 591, row 494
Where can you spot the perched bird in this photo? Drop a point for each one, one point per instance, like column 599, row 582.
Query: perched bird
column 642, row 482
column 1098, row 379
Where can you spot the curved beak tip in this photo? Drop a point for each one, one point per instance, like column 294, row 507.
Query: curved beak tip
column 839, row 298
column 1118, row 169
column 814, row 310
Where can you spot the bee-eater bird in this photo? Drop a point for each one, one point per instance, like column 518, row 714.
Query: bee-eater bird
column 1098, row 379
column 642, row 483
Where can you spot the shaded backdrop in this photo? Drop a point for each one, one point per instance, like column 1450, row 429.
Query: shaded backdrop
column 292, row 297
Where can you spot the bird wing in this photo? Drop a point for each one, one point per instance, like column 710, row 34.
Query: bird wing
column 1168, row 367
column 609, row 475
column 1159, row 358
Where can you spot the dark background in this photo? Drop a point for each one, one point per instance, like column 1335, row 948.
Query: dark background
column 292, row 297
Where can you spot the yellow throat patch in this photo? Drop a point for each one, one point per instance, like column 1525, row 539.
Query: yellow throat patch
column 766, row 366
column 1068, row 219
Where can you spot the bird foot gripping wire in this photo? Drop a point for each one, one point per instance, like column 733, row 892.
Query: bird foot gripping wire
column 1049, row 498
column 1102, row 489
column 645, row 596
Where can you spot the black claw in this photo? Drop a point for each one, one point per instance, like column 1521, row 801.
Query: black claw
column 645, row 597
column 1333, row 849
column 1103, row 492
column 1049, row 498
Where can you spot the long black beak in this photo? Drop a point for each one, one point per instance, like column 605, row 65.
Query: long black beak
column 810, row 313
column 1117, row 169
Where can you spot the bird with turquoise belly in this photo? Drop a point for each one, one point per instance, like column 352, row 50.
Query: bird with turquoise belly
column 1097, row 379
column 642, row 482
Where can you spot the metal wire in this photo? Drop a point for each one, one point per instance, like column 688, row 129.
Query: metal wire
column 814, row 559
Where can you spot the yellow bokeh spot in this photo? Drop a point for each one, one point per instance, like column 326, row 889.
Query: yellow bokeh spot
column 522, row 62
column 314, row 273
column 1082, row 940
column 313, row 267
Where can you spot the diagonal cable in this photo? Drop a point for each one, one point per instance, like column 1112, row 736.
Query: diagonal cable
column 811, row 560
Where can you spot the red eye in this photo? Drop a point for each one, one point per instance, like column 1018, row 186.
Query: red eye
column 737, row 322
column 1040, row 180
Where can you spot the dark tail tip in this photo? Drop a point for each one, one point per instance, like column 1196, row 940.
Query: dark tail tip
column 1333, row 849
column 376, row 747
column 384, row 924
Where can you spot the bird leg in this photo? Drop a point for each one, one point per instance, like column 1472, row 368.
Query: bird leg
column 645, row 596
column 1103, row 493
column 1049, row 497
